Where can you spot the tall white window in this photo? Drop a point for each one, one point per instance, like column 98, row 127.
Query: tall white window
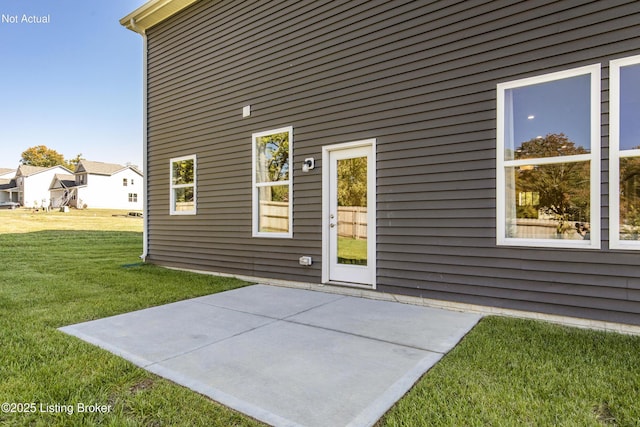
column 272, row 183
column 183, row 185
column 548, row 160
column 624, row 153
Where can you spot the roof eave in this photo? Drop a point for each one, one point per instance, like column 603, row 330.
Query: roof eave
column 152, row 13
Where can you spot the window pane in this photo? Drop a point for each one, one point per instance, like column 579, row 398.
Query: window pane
column 548, row 201
column 272, row 157
column 630, row 198
column 352, row 211
column 273, row 209
column 548, row 119
column 182, row 172
column 629, row 107
column 183, row 199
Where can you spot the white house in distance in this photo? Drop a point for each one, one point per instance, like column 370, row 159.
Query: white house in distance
column 98, row 185
column 6, row 173
column 31, row 184
column 7, row 183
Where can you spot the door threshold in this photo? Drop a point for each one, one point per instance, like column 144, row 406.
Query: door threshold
column 349, row 285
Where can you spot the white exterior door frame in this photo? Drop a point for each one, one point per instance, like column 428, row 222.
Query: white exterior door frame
column 332, row 271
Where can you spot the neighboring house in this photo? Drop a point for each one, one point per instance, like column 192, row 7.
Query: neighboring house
column 8, row 189
column 99, row 185
column 32, row 184
column 476, row 154
column 63, row 190
column 7, row 173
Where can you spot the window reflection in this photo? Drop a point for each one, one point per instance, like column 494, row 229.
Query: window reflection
column 548, row 201
column 559, row 107
column 630, row 198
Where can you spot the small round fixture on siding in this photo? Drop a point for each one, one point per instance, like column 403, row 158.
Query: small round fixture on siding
column 308, row 164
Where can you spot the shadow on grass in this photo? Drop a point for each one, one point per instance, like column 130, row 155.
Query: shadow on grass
column 50, row 279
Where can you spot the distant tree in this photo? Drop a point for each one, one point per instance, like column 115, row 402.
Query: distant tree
column 273, row 151
column 273, row 165
column 630, row 197
column 352, row 182
column 73, row 163
column 562, row 189
column 41, row 155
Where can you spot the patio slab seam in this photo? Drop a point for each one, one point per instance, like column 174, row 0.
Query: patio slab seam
column 368, row 337
column 212, row 343
column 340, row 297
column 215, row 342
column 289, row 319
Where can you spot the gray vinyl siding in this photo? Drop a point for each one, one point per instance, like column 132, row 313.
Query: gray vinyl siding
column 420, row 77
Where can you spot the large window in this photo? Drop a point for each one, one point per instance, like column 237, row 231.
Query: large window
column 272, row 184
column 548, row 160
column 183, row 186
column 624, row 153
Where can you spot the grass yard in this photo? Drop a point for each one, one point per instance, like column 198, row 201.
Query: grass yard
column 513, row 372
column 505, row 371
column 352, row 251
column 26, row 220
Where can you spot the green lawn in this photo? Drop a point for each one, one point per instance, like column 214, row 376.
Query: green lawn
column 352, row 251
column 505, row 371
column 512, row 372
column 53, row 278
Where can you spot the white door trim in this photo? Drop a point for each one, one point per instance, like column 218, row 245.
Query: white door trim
column 326, row 251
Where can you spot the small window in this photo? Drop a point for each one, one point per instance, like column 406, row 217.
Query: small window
column 131, row 181
column 548, row 174
column 124, row 182
column 183, row 186
column 624, row 153
column 272, row 183
column 133, row 197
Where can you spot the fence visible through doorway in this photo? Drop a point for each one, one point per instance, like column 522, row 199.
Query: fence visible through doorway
column 352, row 220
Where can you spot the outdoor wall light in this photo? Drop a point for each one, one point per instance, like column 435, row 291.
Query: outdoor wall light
column 308, row 164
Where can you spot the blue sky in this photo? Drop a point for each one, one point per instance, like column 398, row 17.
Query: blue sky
column 74, row 84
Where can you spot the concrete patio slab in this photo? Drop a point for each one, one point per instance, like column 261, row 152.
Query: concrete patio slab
column 159, row 333
column 269, row 301
column 288, row 357
column 413, row 326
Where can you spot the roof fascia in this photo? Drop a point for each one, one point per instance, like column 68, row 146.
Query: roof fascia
column 152, row 13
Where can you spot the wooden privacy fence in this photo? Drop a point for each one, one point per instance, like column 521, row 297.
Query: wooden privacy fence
column 531, row 228
column 274, row 216
column 352, row 220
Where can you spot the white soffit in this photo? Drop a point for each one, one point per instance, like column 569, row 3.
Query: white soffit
column 152, row 13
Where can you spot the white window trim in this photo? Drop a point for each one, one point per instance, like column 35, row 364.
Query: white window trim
column 593, row 157
column 172, row 204
column 255, row 185
column 615, row 154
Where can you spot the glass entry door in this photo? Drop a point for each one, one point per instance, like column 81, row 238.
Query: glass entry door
column 351, row 215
